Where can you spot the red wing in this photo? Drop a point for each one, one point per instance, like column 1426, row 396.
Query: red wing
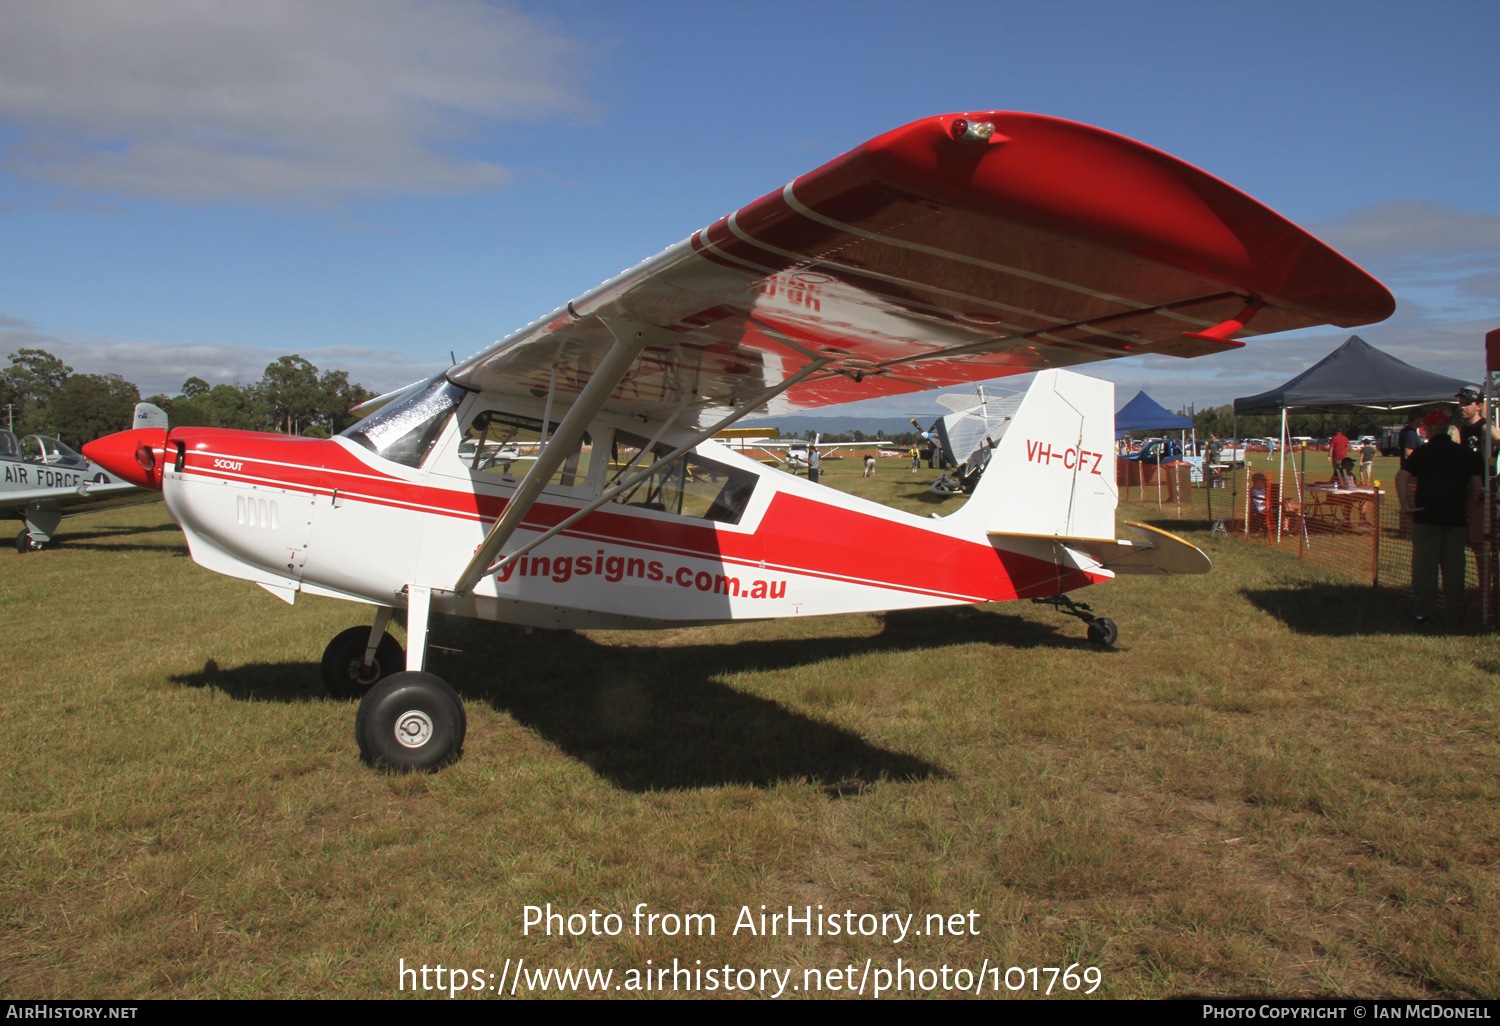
column 921, row 260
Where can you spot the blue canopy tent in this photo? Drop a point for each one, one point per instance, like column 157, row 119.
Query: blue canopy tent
column 1144, row 413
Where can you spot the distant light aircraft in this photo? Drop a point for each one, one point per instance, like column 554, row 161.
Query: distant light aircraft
column 967, row 436
column 793, row 452
column 953, row 249
column 42, row 480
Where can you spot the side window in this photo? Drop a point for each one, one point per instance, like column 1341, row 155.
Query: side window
column 506, row 444
column 689, row 486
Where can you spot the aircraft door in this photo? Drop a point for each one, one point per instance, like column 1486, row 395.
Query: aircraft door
column 478, row 465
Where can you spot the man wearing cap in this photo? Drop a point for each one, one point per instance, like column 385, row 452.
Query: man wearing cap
column 1446, row 479
column 1471, row 411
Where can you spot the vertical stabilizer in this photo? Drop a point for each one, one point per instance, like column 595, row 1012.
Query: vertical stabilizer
column 1052, row 474
column 148, row 416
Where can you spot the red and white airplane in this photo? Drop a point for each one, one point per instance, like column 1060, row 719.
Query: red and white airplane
column 950, row 250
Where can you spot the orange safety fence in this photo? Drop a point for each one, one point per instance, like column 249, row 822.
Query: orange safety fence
column 1356, row 532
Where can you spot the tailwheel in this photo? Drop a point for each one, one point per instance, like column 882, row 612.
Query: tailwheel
column 345, row 674
column 1101, row 630
column 25, row 543
column 1104, row 632
column 410, row 721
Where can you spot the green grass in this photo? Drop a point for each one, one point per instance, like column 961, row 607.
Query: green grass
column 1271, row 786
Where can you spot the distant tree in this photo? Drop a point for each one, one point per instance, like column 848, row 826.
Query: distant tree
column 28, row 385
column 339, row 396
column 226, row 406
column 298, row 398
column 194, row 387
column 290, row 387
column 90, row 406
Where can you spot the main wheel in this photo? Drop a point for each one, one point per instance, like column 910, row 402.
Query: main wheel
column 25, row 543
column 1104, row 632
column 410, row 721
column 345, row 674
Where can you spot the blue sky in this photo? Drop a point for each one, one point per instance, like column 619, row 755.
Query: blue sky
column 197, row 188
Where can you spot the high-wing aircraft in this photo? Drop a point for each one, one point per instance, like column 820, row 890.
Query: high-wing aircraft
column 967, row 436
column 793, row 452
column 42, row 481
column 953, row 249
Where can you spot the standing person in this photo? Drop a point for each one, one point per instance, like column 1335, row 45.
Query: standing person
column 1411, row 435
column 1338, row 452
column 814, row 463
column 1446, row 479
column 869, row 464
column 1367, row 453
column 916, row 459
column 1471, row 413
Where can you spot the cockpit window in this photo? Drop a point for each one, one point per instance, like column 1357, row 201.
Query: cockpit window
column 405, row 431
column 690, row 486
column 9, row 450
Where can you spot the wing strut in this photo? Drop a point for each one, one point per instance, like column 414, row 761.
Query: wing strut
column 746, row 408
column 630, row 338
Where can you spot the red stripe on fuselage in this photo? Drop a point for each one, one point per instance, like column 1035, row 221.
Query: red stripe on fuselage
column 797, row 534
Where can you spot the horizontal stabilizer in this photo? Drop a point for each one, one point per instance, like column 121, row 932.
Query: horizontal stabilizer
column 1157, row 552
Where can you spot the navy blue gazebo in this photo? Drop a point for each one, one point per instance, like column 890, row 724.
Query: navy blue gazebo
column 1144, row 413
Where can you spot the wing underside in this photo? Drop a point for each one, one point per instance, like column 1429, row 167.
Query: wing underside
column 928, row 258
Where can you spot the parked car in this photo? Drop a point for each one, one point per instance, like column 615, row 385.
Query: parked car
column 1158, row 451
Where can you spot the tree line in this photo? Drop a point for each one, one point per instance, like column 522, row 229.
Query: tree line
column 1219, row 420
column 39, row 394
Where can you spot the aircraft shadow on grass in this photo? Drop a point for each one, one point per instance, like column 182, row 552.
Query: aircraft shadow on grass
column 658, row 717
column 112, row 539
column 1344, row 610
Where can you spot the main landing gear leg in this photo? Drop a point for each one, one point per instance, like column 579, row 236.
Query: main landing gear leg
column 412, row 720
column 1102, row 631
column 40, row 526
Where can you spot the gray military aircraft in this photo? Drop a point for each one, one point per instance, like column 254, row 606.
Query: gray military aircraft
column 42, row 481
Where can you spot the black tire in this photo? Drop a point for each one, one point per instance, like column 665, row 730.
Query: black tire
column 410, row 721
column 1104, row 632
column 24, row 543
column 344, row 671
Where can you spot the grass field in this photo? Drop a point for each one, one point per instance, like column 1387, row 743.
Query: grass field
column 1271, row 786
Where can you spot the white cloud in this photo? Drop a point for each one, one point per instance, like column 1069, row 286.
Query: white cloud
column 162, row 367
column 189, row 100
column 1407, row 229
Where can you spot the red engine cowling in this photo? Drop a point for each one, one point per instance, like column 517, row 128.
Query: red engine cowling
column 139, row 456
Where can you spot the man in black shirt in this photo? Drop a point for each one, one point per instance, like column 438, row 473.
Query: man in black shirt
column 1471, row 412
column 1446, row 476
